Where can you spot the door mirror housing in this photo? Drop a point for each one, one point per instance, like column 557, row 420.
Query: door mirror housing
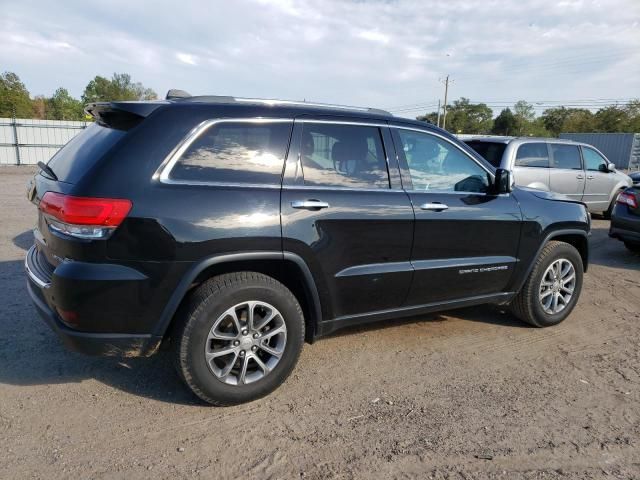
column 611, row 167
column 503, row 182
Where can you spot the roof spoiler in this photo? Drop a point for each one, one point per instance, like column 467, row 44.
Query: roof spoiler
column 121, row 115
column 175, row 93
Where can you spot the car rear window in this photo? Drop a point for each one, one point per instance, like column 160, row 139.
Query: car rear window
column 236, row 152
column 491, row 151
column 74, row 159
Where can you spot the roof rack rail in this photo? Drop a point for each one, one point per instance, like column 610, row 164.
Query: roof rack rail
column 181, row 95
column 275, row 101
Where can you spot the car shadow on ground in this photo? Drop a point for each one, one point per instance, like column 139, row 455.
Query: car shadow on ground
column 31, row 354
column 610, row 252
column 490, row 314
column 24, row 240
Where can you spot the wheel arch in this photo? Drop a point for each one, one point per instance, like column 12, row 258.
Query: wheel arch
column 574, row 237
column 288, row 268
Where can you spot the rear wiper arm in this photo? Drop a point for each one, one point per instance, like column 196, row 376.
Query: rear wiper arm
column 47, row 169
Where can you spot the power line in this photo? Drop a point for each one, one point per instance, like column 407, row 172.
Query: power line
column 586, row 103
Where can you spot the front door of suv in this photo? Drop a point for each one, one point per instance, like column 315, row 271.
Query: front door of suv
column 600, row 182
column 465, row 240
column 346, row 216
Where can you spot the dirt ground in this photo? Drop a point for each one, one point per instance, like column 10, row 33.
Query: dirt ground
column 467, row 394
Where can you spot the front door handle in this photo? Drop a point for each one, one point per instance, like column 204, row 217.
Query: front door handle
column 580, row 176
column 589, row 177
column 438, row 207
column 309, row 204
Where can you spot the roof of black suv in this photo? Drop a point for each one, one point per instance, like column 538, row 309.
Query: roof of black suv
column 251, row 107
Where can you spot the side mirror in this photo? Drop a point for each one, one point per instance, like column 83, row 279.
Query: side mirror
column 611, row 167
column 504, row 181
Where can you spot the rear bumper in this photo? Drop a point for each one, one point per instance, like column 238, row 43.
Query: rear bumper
column 624, row 225
column 90, row 343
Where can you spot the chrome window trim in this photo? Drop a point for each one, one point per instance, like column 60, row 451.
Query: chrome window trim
column 342, row 189
column 302, row 121
column 162, row 174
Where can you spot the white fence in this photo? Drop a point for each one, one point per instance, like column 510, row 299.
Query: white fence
column 27, row 142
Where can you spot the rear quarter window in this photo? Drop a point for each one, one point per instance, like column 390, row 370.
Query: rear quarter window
column 236, row 152
column 78, row 156
column 491, row 151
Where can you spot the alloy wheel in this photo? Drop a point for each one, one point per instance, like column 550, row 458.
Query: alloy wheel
column 245, row 343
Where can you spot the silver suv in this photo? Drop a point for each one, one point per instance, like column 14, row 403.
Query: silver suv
column 574, row 169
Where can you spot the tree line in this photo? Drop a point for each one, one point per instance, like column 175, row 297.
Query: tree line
column 462, row 115
column 477, row 118
column 15, row 99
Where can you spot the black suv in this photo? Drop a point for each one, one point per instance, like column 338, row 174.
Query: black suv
column 233, row 230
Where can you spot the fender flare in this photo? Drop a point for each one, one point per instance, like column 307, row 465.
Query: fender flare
column 188, row 278
column 550, row 236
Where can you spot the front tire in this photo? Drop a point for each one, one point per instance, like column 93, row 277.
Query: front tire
column 239, row 338
column 553, row 287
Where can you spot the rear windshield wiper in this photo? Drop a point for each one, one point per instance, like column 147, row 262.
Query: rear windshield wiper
column 47, row 169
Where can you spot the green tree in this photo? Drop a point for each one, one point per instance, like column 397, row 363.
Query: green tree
column 525, row 116
column 120, row 87
column 466, row 117
column 554, row 118
column 632, row 109
column 505, row 123
column 611, row 119
column 579, row 120
column 62, row 106
column 429, row 117
column 39, row 107
column 14, row 97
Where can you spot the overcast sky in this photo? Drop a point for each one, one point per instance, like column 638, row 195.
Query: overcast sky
column 388, row 54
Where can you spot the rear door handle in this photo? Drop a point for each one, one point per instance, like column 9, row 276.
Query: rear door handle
column 580, row 176
column 434, row 206
column 309, row 204
column 589, row 177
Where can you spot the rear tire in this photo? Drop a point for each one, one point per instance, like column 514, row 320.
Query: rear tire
column 553, row 287
column 633, row 247
column 239, row 337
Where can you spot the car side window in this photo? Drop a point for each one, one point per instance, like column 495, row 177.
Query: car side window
column 336, row 155
column 532, row 155
column 437, row 165
column 593, row 160
column 236, row 152
column 565, row 156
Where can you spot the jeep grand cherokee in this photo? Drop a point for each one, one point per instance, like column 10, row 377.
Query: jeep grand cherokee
column 232, row 230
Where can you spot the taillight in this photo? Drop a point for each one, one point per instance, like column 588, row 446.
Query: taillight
column 84, row 217
column 628, row 199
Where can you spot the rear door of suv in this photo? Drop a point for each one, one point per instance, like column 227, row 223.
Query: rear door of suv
column 466, row 239
column 566, row 175
column 345, row 213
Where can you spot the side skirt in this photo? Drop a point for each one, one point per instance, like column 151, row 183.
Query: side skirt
column 329, row 326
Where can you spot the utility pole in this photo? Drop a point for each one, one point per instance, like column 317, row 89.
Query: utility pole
column 438, row 112
column 446, row 92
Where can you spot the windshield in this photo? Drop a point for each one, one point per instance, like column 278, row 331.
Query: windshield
column 490, row 151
